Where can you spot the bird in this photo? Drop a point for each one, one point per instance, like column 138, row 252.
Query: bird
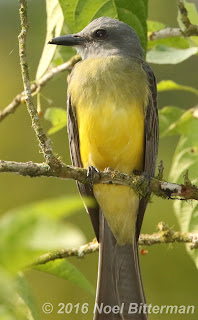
column 113, row 125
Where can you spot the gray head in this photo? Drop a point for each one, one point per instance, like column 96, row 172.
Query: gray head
column 103, row 37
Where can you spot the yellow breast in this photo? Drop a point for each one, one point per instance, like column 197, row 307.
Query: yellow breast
column 110, row 95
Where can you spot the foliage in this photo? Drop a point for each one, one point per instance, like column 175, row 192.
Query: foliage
column 24, row 231
column 24, row 235
column 173, row 50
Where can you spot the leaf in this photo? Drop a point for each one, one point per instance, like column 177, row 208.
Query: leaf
column 54, row 208
column 59, row 207
column 167, row 119
column 55, row 21
column 186, row 158
column 58, row 118
column 165, row 55
column 64, row 269
column 78, row 13
column 187, row 216
column 174, row 42
column 166, row 85
column 186, row 123
column 12, row 305
column 154, row 26
column 26, row 295
column 24, row 232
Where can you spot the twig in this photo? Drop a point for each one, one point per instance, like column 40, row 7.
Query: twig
column 161, row 170
column 90, row 247
column 190, row 29
column 139, row 183
column 44, row 141
column 165, row 33
column 165, row 235
column 38, row 85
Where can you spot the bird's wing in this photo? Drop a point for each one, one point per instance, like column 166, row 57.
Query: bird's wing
column 151, row 133
column 84, row 189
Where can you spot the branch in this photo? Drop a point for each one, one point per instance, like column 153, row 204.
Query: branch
column 190, row 29
column 165, row 33
column 44, row 141
column 139, row 183
column 165, row 235
column 38, row 85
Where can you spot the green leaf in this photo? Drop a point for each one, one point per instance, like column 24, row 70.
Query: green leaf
column 167, row 85
column 187, row 216
column 165, row 55
column 174, row 42
column 55, row 21
column 55, row 208
column 194, row 40
column 58, row 118
column 153, row 26
column 64, row 269
column 24, row 232
column 14, row 305
column 26, row 296
column 78, row 13
column 186, row 123
column 167, row 119
column 186, row 158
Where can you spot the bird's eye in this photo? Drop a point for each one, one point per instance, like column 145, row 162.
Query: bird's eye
column 100, row 34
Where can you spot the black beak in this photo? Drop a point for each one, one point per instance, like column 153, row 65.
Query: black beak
column 68, row 40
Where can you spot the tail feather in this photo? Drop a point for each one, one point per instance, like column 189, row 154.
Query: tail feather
column 119, row 280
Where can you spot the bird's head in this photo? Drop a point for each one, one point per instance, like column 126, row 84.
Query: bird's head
column 103, row 37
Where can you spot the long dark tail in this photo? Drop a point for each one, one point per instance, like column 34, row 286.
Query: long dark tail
column 120, row 293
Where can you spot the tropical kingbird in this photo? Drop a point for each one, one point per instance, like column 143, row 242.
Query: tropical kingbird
column 113, row 122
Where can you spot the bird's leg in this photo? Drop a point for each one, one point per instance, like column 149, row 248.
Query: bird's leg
column 145, row 179
column 93, row 173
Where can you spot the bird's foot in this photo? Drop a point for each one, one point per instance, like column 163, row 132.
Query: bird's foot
column 93, row 174
column 137, row 172
column 144, row 183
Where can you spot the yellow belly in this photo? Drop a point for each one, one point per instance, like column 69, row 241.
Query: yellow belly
column 113, row 137
column 111, row 134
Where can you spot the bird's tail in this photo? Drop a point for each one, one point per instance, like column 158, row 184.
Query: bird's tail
column 120, row 293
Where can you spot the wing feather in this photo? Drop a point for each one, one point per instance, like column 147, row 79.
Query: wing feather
column 84, row 189
column 151, row 137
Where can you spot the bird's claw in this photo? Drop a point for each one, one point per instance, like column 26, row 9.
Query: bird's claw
column 145, row 179
column 92, row 173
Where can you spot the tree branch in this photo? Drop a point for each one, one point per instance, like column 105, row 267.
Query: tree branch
column 38, row 85
column 165, row 235
column 190, row 29
column 165, row 33
column 139, row 183
column 44, row 141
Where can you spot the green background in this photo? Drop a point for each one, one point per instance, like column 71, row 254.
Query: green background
column 169, row 275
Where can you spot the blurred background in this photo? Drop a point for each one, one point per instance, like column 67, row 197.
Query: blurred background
column 169, row 275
